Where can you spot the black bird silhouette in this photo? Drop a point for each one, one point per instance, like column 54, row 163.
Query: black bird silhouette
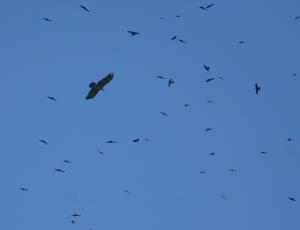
column 100, row 152
column 186, row 105
column 136, row 140
column 43, row 141
column 75, row 214
column 47, row 19
column 257, row 88
column 290, row 139
column 133, row 33
column 292, row 199
column 178, row 16
column 263, row 152
column 51, row 98
column 59, row 170
column 163, row 113
column 232, row 170
column 210, row 79
column 126, row 191
column 210, row 101
column 297, row 17
column 84, row 8
column 73, row 222
column 160, row 77
column 170, row 82
column 211, row 154
column 241, row 42
column 206, row 67
column 206, row 7
column 67, row 161
column 173, row 38
column 182, row 41
column 111, row 142
column 95, row 88
column 24, row 189
column 202, row 172
column 208, row 129
column 224, row 197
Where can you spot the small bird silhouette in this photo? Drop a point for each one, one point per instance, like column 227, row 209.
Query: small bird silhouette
column 133, row 33
column 211, row 154
column 170, row 82
column 292, row 199
column 290, row 139
column 257, row 88
column 136, row 140
column 163, row 113
column 182, row 41
column 186, row 105
column 126, row 191
column 208, row 129
column 232, row 170
column 84, row 8
column 67, row 161
column 210, row 101
column 241, row 42
column 210, row 79
column 59, row 170
column 75, row 214
column 51, row 98
column 111, row 142
column 47, row 19
column 206, row 7
column 43, row 141
column 263, row 152
column 160, row 77
column 178, row 16
column 96, row 87
column 24, row 189
column 297, row 17
column 100, row 152
column 73, row 222
column 173, row 38
column 203, row 172
column 206, row 67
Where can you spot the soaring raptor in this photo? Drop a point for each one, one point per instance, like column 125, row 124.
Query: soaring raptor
column 95, row 88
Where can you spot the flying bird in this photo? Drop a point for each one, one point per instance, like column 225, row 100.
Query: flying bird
column 257, row 88
column 136, row 140
column 133, row 33
column 186, row 105
column 297, row 17
column 202, row 172
column 47, row 19
column 75, row 214
column 211, row 154
column 100, row 152
column 210, row 79
column 178, row 16
column 206, row 67
column 24, row 189
column 84, row 8
column 208, row 129
column 292, row 199
column 67, row 161
column 163, row 113
column 241, row 42
column 173, row 38
column 263, row 152
column 232, row 170
column 73, row 222
column 126, row 191
column 206, row 7
column 290, row 139
column 95, row 88
column 170, row 82
column 160, row 77
column 59, row 170
column 51, row 98
column 111, row 142
column 43, row 141
column 182, row 41
column 210, row 101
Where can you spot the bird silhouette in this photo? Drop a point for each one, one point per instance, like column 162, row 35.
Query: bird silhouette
column 202, row 172
column 206, row 67
column 178, row 16
column 257, row 88
column 263, row 152
column 208, row 129
column 160, row 77
column 100, row 152
column 210, row 79
column 126, row 191
column 241, row 42
column 133, row 33
column 297, row 17
column 211, row 154
column 163, row 113
column 182, row 41
column 51, row 98
column 210, row 101
column 84, row 8
column 170, row 82
column 206, row 7
column 75, row 215
column 67, row 161
column 136, row 140
column 95, row 88
column 59, row 170
column 173, row 38
column 111, row 142
column 292, row 199
column 73, row 222
column 290, row 139
column 232, row 170
column 47, row 19
column 24, row 189
column 43, row 141
column 186, row 105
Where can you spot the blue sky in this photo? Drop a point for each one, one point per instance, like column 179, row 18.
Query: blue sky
column 167, row 190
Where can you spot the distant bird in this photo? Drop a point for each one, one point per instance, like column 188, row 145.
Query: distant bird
column 160, row 77
column 208, row 129
column 290, row 139
column 241, row 42
column 257, row 88
column 24, row 189
column 47, row 19
column 95, row 88
column 210, row 101
column 206, row 7
column 224, row 197
column 170, row 82
column 232, row 170
column 100, row 152
column 203, row 172
column 263, row 152
column 178, row 16
column 297, row 17
column 75, row 214
column 84, row 8
column 163, row 113
column 206, row 67
column 182, row 41
column 43, row 141
column 73, row 222
column 111, row 142
column 59, row 170
column 136, row 140
column 186, row 105
column 126, row 191
column 67, row 161
column 133, row 33
column 210, row 79
column 292, row 199
column 294, row 74
column 211, row 154
column 173, row 38
column 51, row 98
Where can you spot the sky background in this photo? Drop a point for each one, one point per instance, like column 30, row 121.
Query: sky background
column 167, row 190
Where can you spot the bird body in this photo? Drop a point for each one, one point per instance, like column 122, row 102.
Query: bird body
column 133, row 33
column 43, row 141
column 47, row 19
column 84, row 8
column 95, row 88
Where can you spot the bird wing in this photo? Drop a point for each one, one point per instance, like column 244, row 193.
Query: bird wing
column 94, row 90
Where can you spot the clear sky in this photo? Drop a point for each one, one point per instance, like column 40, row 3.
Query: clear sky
column 166, row 187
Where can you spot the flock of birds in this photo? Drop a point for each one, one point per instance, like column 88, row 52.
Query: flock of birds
column 95, row 88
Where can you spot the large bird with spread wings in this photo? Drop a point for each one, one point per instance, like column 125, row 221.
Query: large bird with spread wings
column 96, row 87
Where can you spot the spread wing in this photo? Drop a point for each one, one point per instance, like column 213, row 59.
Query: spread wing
column 99, row 86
